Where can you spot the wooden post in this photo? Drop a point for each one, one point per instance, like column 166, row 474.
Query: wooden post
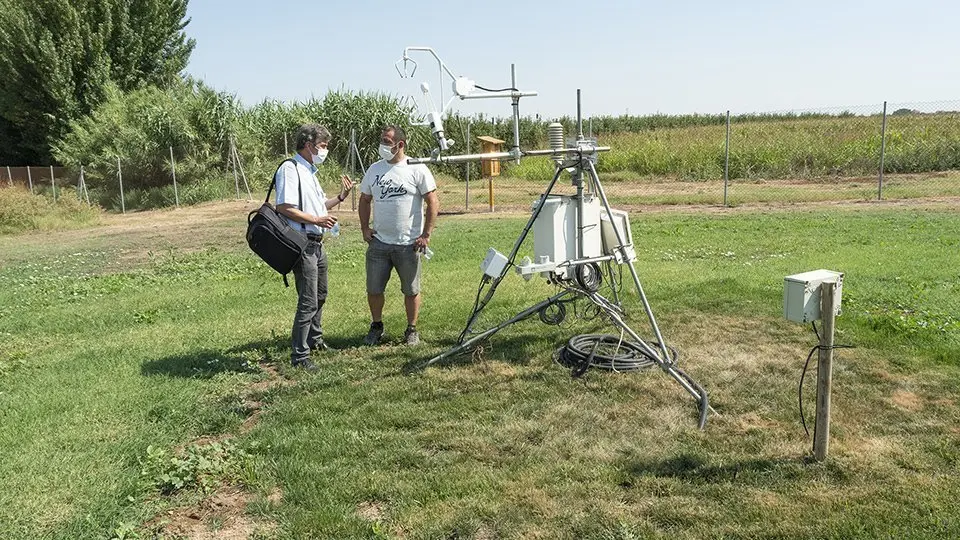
column 828, row 313
column 53, row 182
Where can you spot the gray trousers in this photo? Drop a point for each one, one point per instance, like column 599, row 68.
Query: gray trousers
column 311, row 280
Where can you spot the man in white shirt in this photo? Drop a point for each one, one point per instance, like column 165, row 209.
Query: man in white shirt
column 302, row 201
column 396, row 192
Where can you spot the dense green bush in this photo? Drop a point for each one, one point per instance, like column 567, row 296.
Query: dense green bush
column 21, row 211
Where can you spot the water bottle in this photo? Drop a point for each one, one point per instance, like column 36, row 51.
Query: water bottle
column 427, row 253
column 335, row 230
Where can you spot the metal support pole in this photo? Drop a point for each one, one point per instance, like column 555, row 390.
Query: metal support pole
column 243, row 174
column 726, row 161
column 352, row 160
column 9, row 176
column 233, row 160
column 883, row 148
column 30, row 179
column 173, row 169
column 633, row 271
column 579, row 118
column 490, row 193
column 123, row 204
column 53, row 182
column 82, row 186
column 466, row 197
column 285, row 147
column 513, row 255
column 828, row 312
column 516, row 124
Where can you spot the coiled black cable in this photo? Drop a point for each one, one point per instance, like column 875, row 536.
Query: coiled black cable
column 604, row 351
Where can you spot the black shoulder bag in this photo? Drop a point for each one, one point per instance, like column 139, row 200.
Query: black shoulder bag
column 270, row 235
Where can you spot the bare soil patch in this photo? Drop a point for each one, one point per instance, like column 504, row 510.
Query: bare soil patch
column 219, row 516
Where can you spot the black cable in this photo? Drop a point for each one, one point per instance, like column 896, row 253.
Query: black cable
column 803, row 374
column 476, row 302
column 584, row 351
column 478, row 87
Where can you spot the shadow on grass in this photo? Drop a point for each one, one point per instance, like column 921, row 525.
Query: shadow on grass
column 696, row 469
column 206, row 363
column 520, row 348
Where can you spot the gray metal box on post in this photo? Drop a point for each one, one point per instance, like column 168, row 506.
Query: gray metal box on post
column 801, row 294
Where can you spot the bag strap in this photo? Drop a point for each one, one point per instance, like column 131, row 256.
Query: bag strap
column 303, row 226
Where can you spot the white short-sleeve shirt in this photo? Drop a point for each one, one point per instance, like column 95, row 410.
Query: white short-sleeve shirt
column 397, row 190
column 289, row 187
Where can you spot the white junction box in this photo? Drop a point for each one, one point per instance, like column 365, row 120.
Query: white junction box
column 555, row 230
column 620, row 220
column 494, row 263
column 801, row 294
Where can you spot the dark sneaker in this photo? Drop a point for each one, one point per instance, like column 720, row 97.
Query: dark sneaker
column 375, row 334
column 411, row 336
column 305, row 364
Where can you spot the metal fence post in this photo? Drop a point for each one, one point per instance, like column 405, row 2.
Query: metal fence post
column 30, row 179
column 883, row 149
column 466, row 202
column 173, row 169
column 9, row 176
column 82, row 185
column 233, row 160
column 53, row 181
column 123, row 204
column 352, row 160
column 726, row 161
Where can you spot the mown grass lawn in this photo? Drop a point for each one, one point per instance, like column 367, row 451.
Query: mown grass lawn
column 116, row 340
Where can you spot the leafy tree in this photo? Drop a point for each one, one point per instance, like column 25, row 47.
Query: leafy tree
column 58, row 57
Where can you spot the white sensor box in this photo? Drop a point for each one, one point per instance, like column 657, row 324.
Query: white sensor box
column 494, row 263
column 555, row 232
column 801, row 294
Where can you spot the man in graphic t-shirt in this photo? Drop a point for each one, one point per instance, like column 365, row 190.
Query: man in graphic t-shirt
column 396, row 191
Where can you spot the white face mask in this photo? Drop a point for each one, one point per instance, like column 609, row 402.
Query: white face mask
column 385, row 152
column 322, row 155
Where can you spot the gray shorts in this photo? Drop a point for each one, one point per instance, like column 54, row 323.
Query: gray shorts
column 382, row 258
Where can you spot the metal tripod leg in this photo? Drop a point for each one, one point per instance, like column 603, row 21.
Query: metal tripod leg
column 510, row 259
column 465, row 345
column 666, row 364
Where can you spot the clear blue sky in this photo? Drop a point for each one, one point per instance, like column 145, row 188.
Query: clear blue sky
column 637, row 57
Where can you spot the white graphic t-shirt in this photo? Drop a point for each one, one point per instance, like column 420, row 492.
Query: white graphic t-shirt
column 397, row 190
column 290, row 189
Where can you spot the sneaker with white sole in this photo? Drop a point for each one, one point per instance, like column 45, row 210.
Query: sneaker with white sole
column 411, row 336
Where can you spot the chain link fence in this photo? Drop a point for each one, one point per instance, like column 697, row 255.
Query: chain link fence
column 857, row 153
column 886, row 151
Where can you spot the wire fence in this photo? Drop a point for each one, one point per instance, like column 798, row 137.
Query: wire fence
column 887, row 151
